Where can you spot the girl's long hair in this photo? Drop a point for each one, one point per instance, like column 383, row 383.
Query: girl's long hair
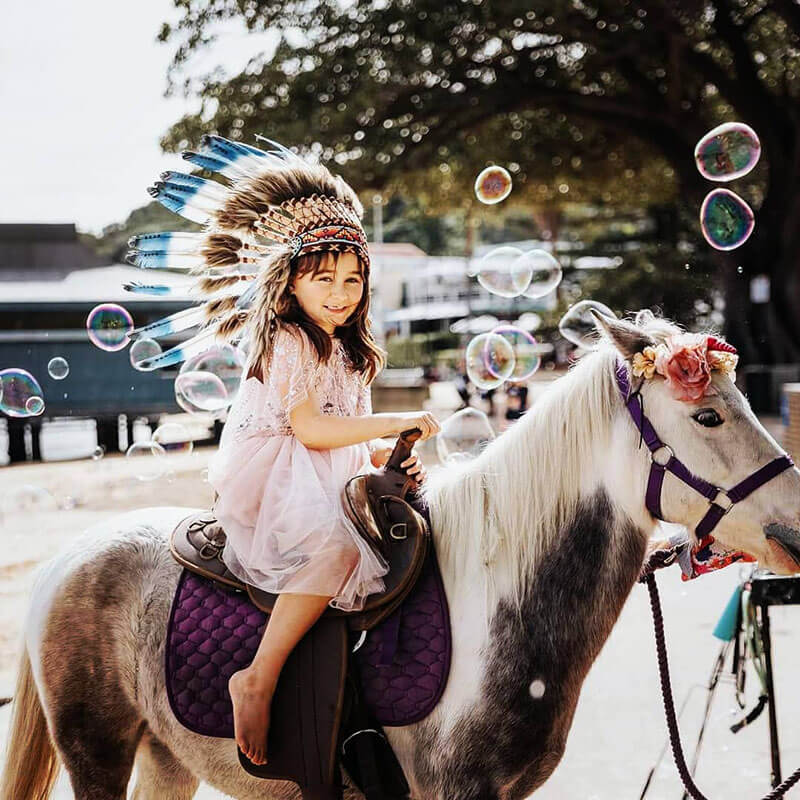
column 363, row 352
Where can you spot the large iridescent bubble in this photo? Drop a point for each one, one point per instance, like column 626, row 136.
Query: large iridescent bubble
column 200, row 390
column 726, row 220
column 225, row 363
column 504, row 271
column 490, row 360
column 108, row 326
column 727, row 152
column 22, row 395
column 493, row 185
column 174, row 438
column 149, row 459
column 143, row 349
column 545, row 273
column 577, row 325
column 526, row 352
column 463, row 435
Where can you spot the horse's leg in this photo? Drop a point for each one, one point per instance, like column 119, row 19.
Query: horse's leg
column 86, row 648
column 159, row 775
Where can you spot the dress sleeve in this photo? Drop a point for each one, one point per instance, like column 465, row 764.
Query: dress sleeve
column 364, row 404
column 292, row 370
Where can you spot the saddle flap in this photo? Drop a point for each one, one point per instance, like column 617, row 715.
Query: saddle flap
column 197, row 543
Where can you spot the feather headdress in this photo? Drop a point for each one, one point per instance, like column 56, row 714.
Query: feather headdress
column 275, row 207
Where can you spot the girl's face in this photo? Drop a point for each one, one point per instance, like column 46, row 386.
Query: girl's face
column 330, row 295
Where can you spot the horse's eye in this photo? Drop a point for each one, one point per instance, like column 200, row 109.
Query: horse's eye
column 708, row 418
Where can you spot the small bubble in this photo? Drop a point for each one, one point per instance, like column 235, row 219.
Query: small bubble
column 34, row 406
column 141, row 350
column 493, row 185
column 98, row 453
column 463, row 435
column 537, row 689
column 108, row 326
column 727, row 152
column 490, row 360
column 58, row 368
column 726, row 221
column 578, row 326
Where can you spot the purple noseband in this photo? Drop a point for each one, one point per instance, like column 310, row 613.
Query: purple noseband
column 721, row 500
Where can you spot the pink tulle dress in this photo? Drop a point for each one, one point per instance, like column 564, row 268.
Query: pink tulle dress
column 279, row 501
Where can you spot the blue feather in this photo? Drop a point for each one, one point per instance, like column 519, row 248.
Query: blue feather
column 176, row 199
column 153, row 289
column 168, row 241
column 164, row 259
column 174, row 323
column 197, row 344
column 204, row 161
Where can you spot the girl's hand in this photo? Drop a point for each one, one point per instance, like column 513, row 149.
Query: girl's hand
column 413, row 467
column 423, row 420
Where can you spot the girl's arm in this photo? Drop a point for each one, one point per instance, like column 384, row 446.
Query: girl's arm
column 319, row 431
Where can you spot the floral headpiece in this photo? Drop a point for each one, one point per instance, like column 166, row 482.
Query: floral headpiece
column 686, row 361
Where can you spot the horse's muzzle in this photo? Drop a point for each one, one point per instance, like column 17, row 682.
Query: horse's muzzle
column 786, row 541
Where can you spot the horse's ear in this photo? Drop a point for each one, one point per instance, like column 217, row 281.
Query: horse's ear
column 627, row 338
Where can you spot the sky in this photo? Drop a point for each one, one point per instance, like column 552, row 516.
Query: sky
column 81, row 89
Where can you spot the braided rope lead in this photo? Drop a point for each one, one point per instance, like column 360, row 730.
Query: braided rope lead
column 669, row 706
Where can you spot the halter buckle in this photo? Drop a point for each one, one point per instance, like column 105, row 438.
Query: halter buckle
column 658, row 449
column 727, row 504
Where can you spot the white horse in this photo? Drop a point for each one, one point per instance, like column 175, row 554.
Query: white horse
column 540, row 540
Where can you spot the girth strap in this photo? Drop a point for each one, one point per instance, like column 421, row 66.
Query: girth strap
column 721, row 501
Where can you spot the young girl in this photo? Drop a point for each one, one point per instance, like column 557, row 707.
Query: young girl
column 300, row 427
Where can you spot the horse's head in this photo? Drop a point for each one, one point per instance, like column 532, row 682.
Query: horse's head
column 683, row 385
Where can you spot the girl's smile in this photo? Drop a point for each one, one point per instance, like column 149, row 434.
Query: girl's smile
column 331, row 294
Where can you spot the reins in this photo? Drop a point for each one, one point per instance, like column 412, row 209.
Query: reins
column 669, row 705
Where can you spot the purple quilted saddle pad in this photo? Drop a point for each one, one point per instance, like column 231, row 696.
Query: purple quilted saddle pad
column 213, row 631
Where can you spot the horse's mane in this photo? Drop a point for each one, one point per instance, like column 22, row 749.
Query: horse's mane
column 525, row 485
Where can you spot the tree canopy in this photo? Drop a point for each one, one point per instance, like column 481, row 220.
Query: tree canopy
column 585, row 101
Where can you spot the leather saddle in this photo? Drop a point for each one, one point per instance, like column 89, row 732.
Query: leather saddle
column 376, row 505
column 312, row 713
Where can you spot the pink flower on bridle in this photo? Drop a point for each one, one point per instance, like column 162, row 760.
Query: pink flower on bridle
column 686, row 361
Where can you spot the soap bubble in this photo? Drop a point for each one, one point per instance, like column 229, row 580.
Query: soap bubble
column 19, row 387
column 537, row 689
column 490, row 360
column 726, row 220
column 58, row 368
column 504, row 271
column 545, row 273
column 150, row 460
column 98, row 452
column 201, row 390
column 34, row 406
column 142, row 349
column 524, row 347
column 174, row 438
column 226, row 364
column 493, row 185
column 577, row 325
column 727, row 152
column 463, row 435
column 108, row 326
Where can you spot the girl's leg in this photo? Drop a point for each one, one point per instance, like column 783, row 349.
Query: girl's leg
column 252, row 688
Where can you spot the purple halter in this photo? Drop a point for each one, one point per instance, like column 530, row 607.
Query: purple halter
column 721, row 500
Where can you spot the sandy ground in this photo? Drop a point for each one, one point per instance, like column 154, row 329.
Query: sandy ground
column 619, row 726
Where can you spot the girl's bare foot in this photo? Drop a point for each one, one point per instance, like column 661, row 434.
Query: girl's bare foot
column 251, row 697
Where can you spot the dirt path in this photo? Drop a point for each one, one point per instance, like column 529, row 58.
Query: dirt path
column 619, row 726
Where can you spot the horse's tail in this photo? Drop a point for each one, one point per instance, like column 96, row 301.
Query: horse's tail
column 32, row 764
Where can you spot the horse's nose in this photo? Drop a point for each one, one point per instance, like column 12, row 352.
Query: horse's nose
column 787, row 537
